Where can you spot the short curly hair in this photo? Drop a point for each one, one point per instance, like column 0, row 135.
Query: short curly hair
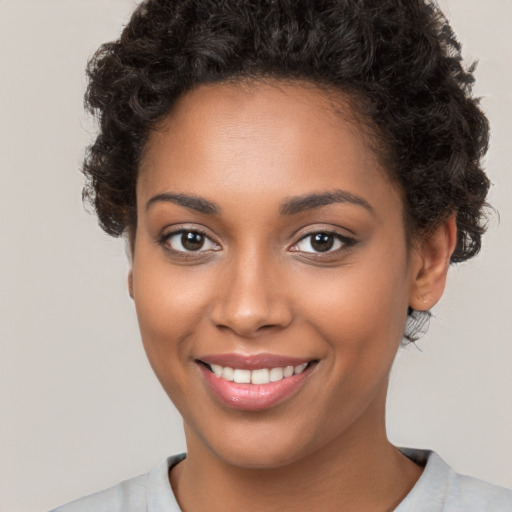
column 399, row 59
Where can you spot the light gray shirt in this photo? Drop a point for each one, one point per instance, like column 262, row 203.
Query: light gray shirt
column 439, row 489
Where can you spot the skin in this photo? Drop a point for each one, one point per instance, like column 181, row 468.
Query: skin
column 257, row 286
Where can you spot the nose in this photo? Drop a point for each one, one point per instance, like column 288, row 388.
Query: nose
column 251, row 298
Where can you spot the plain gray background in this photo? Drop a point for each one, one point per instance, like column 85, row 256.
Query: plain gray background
column 80, row 407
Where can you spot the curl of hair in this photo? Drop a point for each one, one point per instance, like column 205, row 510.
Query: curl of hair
column 398, row 58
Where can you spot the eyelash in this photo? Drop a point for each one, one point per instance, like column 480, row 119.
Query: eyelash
column 163, row 240
column 346, row 242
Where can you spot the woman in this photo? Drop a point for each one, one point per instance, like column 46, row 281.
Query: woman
column 294, row 179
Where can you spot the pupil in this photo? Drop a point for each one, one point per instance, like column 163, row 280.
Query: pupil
column 322, row 242
column 192, row 241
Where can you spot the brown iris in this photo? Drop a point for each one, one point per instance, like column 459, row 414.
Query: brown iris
column 322, row 242
column 192, row 241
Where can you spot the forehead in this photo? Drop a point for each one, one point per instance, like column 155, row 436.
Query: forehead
column 263, row 139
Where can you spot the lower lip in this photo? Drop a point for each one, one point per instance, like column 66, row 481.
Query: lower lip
column 253, row 397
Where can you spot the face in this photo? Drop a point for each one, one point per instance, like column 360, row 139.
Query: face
column 270, row 249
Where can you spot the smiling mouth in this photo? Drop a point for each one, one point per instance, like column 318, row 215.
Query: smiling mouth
column 258, row 376
column 254, row 383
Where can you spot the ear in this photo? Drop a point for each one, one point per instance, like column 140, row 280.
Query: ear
column 130, row 283
column 430, row 263
column 128, row 248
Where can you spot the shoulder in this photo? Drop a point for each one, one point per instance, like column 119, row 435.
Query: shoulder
column 123, row 497
column 150, row 491
column 468, row 494
column 441, row 489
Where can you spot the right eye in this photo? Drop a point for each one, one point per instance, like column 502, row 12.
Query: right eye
column 188, row 240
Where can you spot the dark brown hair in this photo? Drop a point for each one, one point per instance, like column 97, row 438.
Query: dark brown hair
column 397, row 59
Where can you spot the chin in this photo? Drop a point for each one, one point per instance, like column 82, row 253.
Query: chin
column 258, row 446
column 259, row 457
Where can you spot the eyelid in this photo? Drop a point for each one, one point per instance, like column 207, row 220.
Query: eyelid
column 346, row 241
column 166, row 236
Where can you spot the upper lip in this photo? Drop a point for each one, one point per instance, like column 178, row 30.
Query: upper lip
column 253, row 362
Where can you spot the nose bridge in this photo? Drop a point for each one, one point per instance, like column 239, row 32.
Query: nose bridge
column 251, row 297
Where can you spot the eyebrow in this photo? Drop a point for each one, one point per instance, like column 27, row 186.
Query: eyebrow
column 197, row 203
column 298, row 204
column 290, row 206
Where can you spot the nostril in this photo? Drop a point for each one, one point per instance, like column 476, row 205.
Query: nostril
column 251, row 322
column 248, row 305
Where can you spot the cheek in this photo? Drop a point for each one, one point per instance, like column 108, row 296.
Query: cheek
column 171, row 302
column 360, row 309
column 360, row 315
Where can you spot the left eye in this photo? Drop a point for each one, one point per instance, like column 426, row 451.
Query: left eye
column 189, row 241
column 320, row 242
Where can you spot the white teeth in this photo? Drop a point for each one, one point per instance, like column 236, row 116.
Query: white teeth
column 300, row 368
column 217, row 369
column 259, row 376
column 288, row 371
column 227, row 373
column 276, row 374
column 242, row 376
